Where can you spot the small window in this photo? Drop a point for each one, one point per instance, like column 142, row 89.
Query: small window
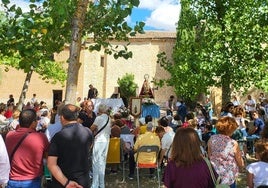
column 102, row 61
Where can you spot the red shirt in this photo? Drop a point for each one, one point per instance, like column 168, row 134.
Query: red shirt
column 8, row 114
column 27, row 162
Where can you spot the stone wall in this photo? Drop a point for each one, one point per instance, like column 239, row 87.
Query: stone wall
column 145, row 49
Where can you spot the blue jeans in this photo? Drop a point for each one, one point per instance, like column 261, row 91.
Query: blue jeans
column 233, row 185
column 35, row 183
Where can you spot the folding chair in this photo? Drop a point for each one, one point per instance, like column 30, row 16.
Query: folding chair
column 114, row 155
column 153, row 151
column 129, row 140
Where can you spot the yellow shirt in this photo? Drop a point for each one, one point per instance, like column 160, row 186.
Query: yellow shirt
column 143, row 129
column 148, row 138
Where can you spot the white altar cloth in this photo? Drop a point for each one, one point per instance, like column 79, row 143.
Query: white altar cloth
column 115, row 104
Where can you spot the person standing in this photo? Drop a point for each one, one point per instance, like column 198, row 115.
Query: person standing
column 235, row 101
column 4, row 163
column 261, row 97
column 208, row 113
column 87, row 116
column 187, row 168
column 3, row 119
column 55, row 127
column 170, row 105
column 92, row 92
column 181, row 110
column 26, row 149
column 33, row 100
column 257, row 174
column 102, row 130
column 69, row 151
column 224, row 152
column 11, row 100
column 250, row 106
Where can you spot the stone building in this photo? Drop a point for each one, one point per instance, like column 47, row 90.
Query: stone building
column 100, row 70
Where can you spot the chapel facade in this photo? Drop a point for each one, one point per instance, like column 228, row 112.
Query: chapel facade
column 100, row 70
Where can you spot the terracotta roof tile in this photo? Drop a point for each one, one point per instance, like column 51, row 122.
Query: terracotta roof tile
column 156, row 34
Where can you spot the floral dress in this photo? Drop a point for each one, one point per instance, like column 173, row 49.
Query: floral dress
column 222, row 157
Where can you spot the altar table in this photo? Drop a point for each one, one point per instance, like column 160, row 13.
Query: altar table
column 153, row 110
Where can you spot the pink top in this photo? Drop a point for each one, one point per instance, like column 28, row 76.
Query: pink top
column 223, row 158
column 27, row 162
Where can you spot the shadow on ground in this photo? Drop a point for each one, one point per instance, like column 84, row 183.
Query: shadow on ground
column 115, row 180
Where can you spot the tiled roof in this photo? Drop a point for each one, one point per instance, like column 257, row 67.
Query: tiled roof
column 156, row 35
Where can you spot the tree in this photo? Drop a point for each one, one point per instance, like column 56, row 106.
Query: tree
column 219, row 43
column 127, row 87
column 27, row 43
column 105, row 20
column 46, row 29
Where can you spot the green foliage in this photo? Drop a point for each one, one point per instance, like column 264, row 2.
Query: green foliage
column 28, row 40
column 35, row 35
column 106, row 21
column 127, row 86
column 219, row 43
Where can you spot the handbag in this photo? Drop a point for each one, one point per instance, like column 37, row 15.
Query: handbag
column 216, row 182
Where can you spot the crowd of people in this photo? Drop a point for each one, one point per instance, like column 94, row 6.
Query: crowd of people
column 72, row 141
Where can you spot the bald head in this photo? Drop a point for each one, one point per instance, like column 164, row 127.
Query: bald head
column 70, row 112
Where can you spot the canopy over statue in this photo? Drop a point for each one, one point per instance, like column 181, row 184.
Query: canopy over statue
column 146, row 90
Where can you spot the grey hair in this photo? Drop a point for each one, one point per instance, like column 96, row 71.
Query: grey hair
column 150, row 126
column 102, row 108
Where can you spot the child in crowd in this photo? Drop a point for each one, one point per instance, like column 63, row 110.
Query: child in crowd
column 257, row 174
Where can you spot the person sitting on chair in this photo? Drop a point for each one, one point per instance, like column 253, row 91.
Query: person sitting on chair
column 149, row 138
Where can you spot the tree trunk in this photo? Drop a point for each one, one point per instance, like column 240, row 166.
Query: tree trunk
column 226, row 89
column 25, row 89
column 75, row 48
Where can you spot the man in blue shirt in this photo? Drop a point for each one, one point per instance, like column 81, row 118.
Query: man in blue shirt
column 258, row 124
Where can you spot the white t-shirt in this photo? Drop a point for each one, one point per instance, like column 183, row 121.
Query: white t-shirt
column 4, row 164
column 104, row 135
column 249, row 104
column 167, row 140
column 236, row 103
column 260, row 171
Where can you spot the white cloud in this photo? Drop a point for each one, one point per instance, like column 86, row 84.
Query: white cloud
column 23, row 4
column 154, row 4
column 164, row 15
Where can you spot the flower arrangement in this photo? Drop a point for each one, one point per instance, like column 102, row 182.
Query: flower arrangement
column 124, row 111
column 148, row 101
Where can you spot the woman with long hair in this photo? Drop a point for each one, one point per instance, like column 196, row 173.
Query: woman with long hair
column 187, row 167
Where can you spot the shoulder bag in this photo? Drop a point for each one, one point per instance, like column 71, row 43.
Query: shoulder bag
column 102, row 127
column 16, row 147
column 216, row 182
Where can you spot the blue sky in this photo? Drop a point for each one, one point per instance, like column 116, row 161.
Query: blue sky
column 157, row 14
